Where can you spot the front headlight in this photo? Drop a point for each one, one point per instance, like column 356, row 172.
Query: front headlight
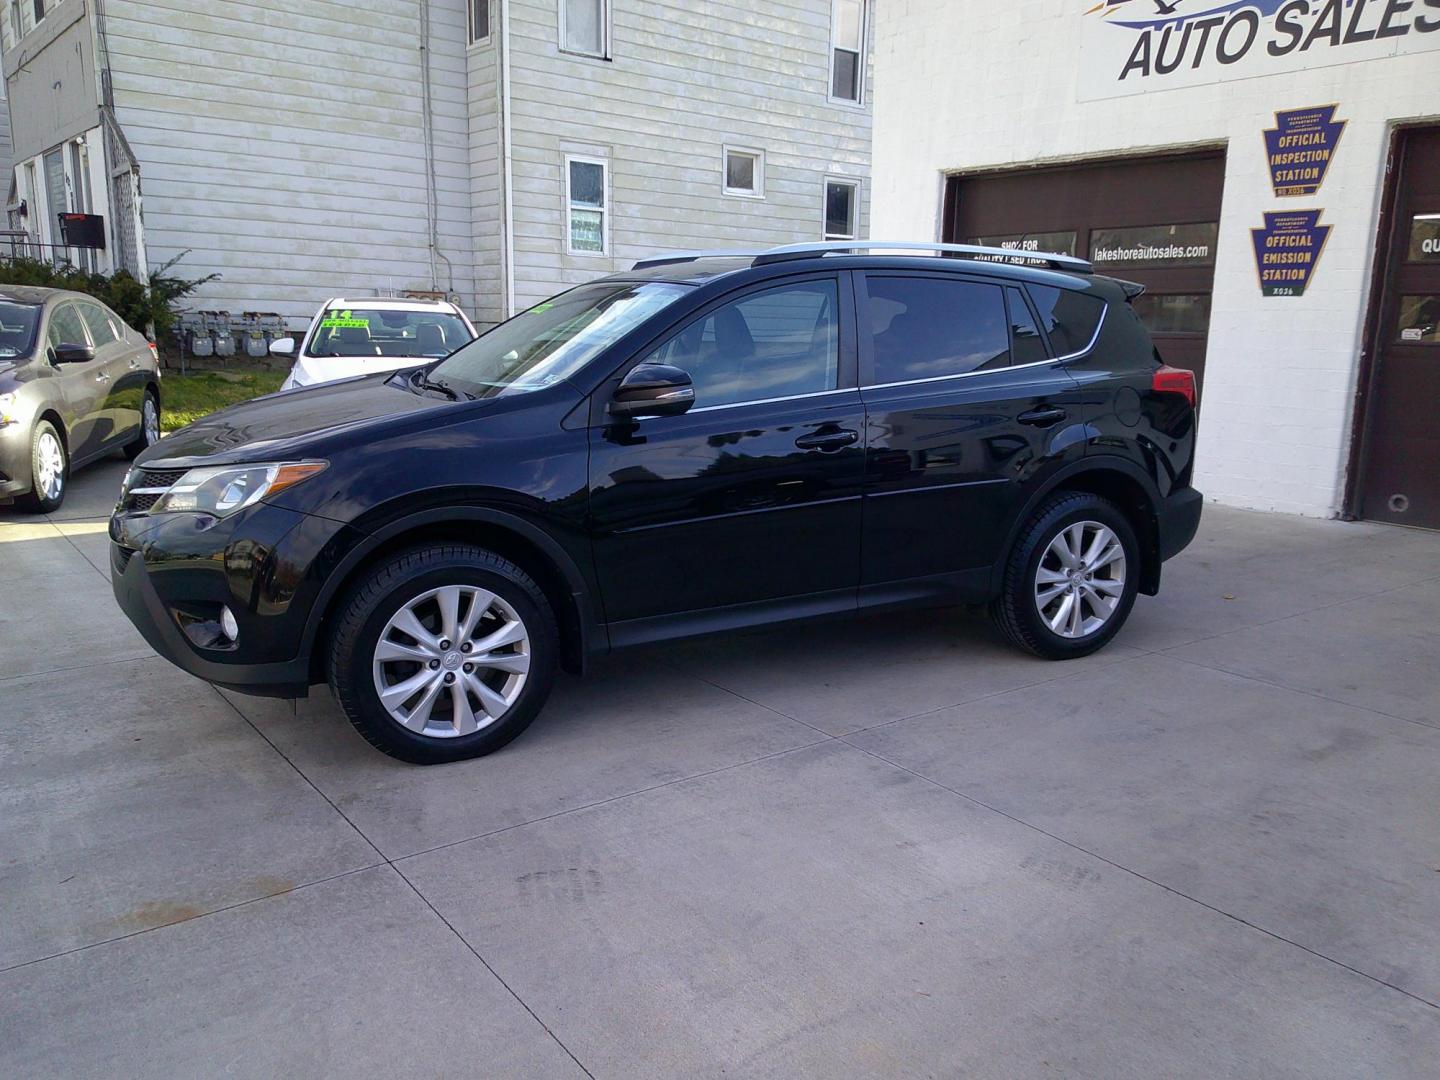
column 224, row 489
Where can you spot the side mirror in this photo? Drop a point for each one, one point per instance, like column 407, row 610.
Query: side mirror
column 283, row 346
column 69, row 353
column 653, row 390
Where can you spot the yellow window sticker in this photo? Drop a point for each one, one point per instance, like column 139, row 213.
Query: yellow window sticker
column 342, row 320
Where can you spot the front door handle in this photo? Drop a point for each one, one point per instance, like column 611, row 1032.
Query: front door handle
column 1046, row 417
column 828, row 440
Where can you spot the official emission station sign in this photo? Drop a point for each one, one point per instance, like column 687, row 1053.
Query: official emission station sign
column 1287, row 248
column 1300, row 147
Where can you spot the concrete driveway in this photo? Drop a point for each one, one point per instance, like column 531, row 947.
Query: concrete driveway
column 887, row 847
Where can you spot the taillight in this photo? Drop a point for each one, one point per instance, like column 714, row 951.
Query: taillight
column 1174, row 380
column 154, row 349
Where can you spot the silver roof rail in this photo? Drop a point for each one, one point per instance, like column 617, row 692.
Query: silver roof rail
column 690, row 256
column 1051, row 259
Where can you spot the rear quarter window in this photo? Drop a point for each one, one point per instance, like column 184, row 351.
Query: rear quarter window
column 1070, row 318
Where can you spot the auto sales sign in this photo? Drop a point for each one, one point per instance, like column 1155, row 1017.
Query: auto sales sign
column 1134, row 46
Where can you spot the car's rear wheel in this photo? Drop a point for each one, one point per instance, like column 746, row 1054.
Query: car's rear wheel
column 49, row 471
column 1071, row 578
column 443, row 652
column 149, row 433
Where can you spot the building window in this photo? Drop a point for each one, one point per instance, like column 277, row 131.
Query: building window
column 847, row 50
column 17, row 24
column 842, row 209
column 745, row 172
column 586, row 199
column 585, row 27
column 39, row 9
column 479, row 21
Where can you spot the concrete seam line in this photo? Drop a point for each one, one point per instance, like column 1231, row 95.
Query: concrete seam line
column 80, row 667
column 508, row 989
column 1135, row 873
column 193, row 918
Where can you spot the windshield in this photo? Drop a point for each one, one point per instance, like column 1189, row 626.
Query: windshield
column 17, row 328
column 376, row 332
column 555, row 339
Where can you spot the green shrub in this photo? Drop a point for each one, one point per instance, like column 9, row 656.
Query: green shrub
column 142, row 305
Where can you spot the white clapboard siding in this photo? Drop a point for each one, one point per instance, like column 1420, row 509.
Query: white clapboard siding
column 5, row 148
column 281, row 145
column 486, row 204
column 683, row 81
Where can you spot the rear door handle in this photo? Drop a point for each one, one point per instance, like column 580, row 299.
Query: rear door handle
column 102, row 377
column 827, row 440
column 1046, row 417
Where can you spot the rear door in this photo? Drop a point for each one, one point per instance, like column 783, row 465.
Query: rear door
column 966, row 408
column 120, row 420
column 86, row 386
column 748, row 505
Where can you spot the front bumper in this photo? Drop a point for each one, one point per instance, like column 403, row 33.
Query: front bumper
column 170, row 573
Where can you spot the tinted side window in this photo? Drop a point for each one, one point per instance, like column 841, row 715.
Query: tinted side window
column 102, row 328
column 66, row 327
column 1027, row 346
column 777, row 343
column 1070, row 318
column 925, row 328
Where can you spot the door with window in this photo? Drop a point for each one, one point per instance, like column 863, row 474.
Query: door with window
column 121, row 362
column 965, row 408
column 752, row 497
column 85, row 386
column 1400, row 473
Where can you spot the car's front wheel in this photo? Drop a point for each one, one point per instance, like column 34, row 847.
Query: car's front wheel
column 1071, row 578
column 443, row 652
column 49, row 470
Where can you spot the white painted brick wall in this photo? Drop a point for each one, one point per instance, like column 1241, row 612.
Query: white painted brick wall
column 962, row 84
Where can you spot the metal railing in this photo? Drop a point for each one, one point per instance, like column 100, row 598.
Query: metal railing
column 18, row 244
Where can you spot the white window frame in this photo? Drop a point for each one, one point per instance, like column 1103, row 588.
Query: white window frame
column 860, row 61
column 604, row 163
column 470, row 36
column 854, row 185
column 604, row 53
column 758, row 191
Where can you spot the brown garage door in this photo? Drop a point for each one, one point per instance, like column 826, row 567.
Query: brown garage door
column 1400, row 467
column 1154, row 221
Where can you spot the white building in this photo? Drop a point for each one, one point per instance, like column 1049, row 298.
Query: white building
column 496, row 150
column 1134, row 133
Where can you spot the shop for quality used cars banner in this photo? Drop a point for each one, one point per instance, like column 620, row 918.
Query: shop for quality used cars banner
column 1134, row 46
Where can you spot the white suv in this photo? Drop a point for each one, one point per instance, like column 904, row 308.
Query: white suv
column 363, row 335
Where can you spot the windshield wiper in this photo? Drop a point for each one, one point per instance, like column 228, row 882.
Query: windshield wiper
column 424, row 383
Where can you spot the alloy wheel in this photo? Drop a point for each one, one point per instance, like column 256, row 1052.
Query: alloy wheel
column 1080, row 579
column 452, row 661
column 150, row 421
column 49, row 466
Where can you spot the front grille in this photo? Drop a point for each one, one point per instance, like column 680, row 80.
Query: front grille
column 146, row 487
column 158, row 478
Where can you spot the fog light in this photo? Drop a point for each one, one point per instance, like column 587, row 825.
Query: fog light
column 228, row 626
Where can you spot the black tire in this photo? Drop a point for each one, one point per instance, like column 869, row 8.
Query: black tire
column 35, row 500
column 1015, row 610
column 367, row 609
column 143, row 441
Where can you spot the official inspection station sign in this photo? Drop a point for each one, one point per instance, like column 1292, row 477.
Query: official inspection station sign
column 1287, row 248
column 1135, row 46
column 1300, row 147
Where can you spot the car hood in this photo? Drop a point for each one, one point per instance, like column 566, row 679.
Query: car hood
column 310, row 370
column 291, row 422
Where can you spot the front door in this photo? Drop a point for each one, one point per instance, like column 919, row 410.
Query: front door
column 1400, row 476
column 749, row 503
column 965, row 408
column 120, row 419
column 86, row 386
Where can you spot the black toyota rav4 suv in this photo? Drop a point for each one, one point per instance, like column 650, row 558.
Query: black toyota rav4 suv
column 707, row 442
